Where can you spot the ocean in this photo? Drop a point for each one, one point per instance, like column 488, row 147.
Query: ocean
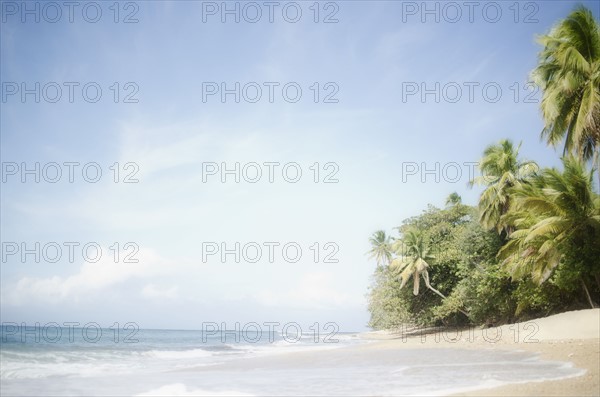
column 69, row 361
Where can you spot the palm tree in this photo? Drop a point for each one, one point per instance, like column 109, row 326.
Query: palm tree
column 555, row 215
column 568, row 72
column 501, row 170
column 380, row 248
column 453, row 199
column 413, row 262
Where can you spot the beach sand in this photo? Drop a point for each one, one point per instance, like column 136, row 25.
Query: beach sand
column 569, row 337
column 392, row 364
column 441, row 363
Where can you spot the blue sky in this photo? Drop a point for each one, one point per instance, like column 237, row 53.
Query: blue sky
column 370, row 57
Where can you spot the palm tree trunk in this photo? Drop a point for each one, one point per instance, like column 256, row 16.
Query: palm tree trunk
column 596, row 161
column 587, row 294
column 426, row 278
column 597, row 156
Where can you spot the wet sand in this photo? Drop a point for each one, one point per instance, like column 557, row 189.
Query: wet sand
column 569, row 337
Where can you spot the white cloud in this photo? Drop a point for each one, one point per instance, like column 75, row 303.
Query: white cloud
column 163, row 147
column 151, row 291
column 179, row 389
column 92, row 277
column 313, row 291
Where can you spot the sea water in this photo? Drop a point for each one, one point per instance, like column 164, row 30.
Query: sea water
column 171, row 362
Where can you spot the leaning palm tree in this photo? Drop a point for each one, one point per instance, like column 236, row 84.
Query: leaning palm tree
column 412, row 262
column 556, row 214
column 568, row 72
column 453, row 199
column 501, row 170
column 380, row 248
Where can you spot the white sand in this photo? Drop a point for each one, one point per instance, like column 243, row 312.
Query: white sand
column 571, row 337
column 580, row 324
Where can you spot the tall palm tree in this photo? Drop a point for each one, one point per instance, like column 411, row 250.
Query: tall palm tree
column 501, row 170
column 381, row 249
column 568, row 72
column 413, row 262
column 453, row 199
column 556, row 214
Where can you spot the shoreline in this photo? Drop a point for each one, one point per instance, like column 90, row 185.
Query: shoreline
column 582, row 353
column 570, row 337
column 553, row 356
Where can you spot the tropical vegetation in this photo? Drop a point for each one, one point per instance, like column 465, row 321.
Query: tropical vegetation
column 569, row 75
column 531, row 246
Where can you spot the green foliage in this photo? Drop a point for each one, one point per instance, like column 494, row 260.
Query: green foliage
column 556, row 217
column 463, row 266
column 543, row 254
column 501, row 171
column 556, row 221
column 568, row 72
column 380, row 248
column 453, row 199
column 455, row 247
column 491, row 301
column 388, row 308
column 534, row 300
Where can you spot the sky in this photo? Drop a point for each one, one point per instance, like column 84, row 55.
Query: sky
column 173, row 163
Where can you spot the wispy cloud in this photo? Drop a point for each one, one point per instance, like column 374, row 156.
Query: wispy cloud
column 151, row 291
column 92, row 278
column 314, row 290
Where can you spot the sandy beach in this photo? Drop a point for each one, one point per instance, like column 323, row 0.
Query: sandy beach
column 553, row 356
column 572, row 337
column 568, row 340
